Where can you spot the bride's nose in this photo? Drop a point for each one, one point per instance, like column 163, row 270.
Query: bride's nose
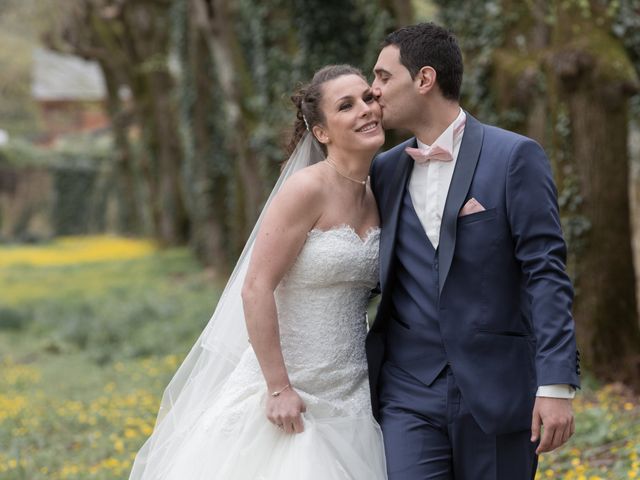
column 366, row 109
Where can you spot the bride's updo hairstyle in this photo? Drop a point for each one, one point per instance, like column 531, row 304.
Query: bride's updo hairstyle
column 308, row 98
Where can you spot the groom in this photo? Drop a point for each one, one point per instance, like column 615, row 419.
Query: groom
column 473, row 346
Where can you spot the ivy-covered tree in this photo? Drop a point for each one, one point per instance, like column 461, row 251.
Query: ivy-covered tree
column 213, row 129
column 556, row 71
column 627, row 28
column 131, row 42
column 257, row 53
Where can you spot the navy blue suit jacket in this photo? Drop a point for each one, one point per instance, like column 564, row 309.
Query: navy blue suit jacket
column 505, row 299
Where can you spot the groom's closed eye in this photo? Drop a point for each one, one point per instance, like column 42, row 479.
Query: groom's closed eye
column 381, row 75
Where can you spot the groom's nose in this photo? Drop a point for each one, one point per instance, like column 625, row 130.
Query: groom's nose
column 376, row 91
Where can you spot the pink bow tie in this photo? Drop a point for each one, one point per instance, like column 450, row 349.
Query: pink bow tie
column 434, row 153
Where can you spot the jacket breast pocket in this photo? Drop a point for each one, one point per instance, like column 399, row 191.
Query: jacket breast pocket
column 477, row 217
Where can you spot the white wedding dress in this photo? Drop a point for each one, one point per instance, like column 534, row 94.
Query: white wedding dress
column 321, row 305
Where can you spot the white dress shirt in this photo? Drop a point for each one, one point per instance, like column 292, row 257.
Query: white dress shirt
column 429, row 182
column 429, row 186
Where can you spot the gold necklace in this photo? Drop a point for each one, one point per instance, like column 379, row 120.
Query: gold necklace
column 333, row 165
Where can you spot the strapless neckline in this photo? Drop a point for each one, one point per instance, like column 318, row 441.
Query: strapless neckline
column 372, row 232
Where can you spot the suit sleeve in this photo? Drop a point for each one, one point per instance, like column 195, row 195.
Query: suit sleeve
column 534, row 218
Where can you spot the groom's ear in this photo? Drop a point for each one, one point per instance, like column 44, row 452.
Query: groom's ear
column 320, row 134
column 426, row 79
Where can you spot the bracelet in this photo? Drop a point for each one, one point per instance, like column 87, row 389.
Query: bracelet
column 277, row 394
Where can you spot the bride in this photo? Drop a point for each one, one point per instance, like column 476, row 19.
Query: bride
column 294, row 402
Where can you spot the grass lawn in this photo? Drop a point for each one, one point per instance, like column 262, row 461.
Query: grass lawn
column 87, row 345
column 92, row 329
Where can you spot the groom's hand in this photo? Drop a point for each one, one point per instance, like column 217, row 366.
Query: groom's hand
column 555, row 415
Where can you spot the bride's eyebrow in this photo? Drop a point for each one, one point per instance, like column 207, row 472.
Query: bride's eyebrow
column 366, row 91
column 342, row 99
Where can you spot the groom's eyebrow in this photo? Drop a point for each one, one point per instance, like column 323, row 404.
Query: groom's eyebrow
column 381, row 71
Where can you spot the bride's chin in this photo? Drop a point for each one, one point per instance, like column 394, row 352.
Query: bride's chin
column 379, row 139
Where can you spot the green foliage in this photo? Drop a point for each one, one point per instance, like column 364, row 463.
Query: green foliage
column 626, row 26
column 607, row 439
column 281, row 58
column 208, row 168
column 17, row 108
column 614, row 64
column 150, row 306
column 81, row 153
column 76, row 398
column 276, row 59
column 63, row 417
column 479, row 27
column 575, row 226
column 332, row 32
column 83, row 175
column 71, row 214
column 12, row 318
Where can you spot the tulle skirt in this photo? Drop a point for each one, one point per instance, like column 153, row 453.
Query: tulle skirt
column 249, row 447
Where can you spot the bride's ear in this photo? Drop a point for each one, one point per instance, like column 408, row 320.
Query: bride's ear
column 320, row 133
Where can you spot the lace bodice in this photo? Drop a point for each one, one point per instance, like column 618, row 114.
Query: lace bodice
column 322, row 303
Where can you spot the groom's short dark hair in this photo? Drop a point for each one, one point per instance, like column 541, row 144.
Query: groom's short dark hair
column 428, row 44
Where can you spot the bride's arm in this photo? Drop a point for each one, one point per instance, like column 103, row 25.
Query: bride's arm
column 292, row 213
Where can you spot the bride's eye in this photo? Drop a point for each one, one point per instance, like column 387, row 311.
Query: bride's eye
column 344, row 106
column 369, row 98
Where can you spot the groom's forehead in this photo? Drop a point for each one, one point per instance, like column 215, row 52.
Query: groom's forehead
column 388, row 58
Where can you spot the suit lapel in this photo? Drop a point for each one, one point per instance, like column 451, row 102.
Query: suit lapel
column 392, row 208
column 460, row 183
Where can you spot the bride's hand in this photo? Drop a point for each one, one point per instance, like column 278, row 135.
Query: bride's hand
column 285, row 411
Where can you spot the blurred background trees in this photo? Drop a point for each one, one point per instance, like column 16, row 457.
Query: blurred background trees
column 196, row 92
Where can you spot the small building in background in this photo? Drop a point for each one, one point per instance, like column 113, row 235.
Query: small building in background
column 70, row 93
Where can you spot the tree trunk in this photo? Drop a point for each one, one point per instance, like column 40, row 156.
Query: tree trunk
column 205, row 182
column 146, row 31
column 131, row 212
column 217, row 22
column 594, row 78
column 132, row 39
column 634, row 185
column 605, row 309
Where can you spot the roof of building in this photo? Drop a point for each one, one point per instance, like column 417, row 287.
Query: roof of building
column 58, row 76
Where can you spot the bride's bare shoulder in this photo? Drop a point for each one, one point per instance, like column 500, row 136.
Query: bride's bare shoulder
column 306, row 183
column 300, row 201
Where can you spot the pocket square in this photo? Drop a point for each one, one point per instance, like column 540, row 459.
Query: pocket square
column 472, row 206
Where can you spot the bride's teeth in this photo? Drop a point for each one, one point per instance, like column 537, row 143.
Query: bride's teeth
column 366, row 128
